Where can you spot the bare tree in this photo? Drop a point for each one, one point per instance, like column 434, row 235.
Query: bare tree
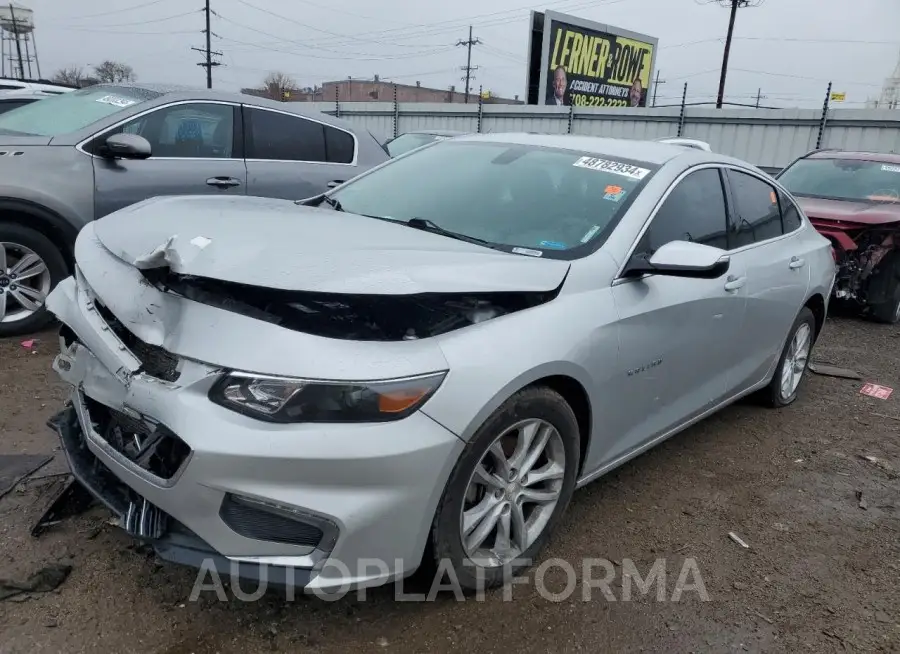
column 71, row 75
column 276, row 84
column 114, row 71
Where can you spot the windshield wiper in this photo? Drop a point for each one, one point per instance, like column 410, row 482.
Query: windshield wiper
column 430, row 226
column 334, row 203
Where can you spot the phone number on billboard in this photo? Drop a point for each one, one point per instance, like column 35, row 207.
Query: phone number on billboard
column 583, row 100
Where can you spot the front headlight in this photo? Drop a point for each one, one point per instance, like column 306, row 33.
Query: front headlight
column 285, row 400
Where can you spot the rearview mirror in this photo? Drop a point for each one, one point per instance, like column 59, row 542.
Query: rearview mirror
column 681, row 259
column 127, row 146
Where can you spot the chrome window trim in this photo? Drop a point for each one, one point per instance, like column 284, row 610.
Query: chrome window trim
column 353, row 161
column 80, row 146
column 618, row 279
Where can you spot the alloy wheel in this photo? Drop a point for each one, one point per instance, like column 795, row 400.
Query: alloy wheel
column 24, row 282
column 512, row 493
column 795, row 361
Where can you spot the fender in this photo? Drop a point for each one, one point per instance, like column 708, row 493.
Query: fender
column 64, row 232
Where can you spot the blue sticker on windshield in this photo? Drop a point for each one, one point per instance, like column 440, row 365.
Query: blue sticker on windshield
column 553, row 245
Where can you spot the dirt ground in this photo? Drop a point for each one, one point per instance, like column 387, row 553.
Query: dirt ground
column 820, row 574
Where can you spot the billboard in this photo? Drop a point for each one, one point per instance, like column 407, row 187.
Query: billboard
column 575, row 62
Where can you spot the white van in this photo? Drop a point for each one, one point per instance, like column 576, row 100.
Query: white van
column 8, row 85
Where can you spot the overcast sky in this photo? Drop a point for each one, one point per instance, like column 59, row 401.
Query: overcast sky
column 854, row 43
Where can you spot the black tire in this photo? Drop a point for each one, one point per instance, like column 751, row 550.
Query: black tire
column 888, row 312
column 55, row 262
column 772, row 394
column 446, row 542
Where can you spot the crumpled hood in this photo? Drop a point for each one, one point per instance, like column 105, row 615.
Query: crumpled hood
column 864, row 213
column 281, row 245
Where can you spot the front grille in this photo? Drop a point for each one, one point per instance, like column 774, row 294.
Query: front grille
column 153, row 447
column 259, row 522
column 155, row 361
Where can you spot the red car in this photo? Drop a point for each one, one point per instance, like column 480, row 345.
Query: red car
column 853, row 199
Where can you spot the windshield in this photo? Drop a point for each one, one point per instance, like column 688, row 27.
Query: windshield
column 525, row 199
column 70, row 112
column 406, row 142
column 843, row 179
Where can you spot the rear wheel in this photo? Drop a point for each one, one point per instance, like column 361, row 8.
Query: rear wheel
column 508, row 490
column 30, row 266
column 785, row 384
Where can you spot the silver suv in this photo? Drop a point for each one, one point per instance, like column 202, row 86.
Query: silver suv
column 70, row 159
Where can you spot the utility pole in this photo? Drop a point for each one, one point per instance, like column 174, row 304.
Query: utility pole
column 759, row 96
column 208, row 51
column 469, row 68
column 15, row 25
column 735, row 5
column 656, row 86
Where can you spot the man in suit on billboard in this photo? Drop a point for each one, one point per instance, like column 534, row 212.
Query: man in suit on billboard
column 558, row 94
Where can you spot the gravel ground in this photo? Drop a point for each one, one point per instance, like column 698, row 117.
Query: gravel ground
column 820, row 573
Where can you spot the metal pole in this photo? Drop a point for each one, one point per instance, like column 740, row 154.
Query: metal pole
column 396, row 113
column 655, row 88
column 721, row 96
column 209, row 50
column 681, row 117
column 337, row 100
column 27, row 56
column 12, row 13
column 37, row 60
column 480, row 107
column 824, row 120
column 571, row 118
column 468, row 63
column 758, row 97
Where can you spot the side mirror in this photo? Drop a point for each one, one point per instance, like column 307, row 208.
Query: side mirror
column 127, row 146
column 681, row 259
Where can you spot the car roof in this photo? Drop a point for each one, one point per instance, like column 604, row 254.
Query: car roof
column 653, row 152
column 13, row 96
column 174, row 93
column 879, row 157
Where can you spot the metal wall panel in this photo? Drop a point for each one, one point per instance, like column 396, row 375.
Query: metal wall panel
column 770, row 138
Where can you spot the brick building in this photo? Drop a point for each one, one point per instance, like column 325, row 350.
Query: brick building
column 376, row 90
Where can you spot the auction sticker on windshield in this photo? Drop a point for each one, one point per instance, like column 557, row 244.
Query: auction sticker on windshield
column 607, row 166
column 117, row 101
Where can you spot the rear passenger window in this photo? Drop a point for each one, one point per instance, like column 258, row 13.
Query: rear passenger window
column 694, row 211
column 790, row 215
column 276, row 136
column 339, row 145
column 757, row 216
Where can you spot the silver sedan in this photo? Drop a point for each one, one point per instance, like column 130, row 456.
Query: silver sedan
column 429, row 358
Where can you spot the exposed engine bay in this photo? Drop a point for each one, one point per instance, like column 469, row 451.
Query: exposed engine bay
column 359, row 317
column 861, row 254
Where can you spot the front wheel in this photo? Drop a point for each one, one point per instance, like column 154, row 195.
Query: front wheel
column 792, row 365
column 30, row 266
column 508, row 490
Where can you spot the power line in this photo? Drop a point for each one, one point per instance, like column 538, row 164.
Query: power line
column 153, row 20
column 469, row 68
column 116, row 11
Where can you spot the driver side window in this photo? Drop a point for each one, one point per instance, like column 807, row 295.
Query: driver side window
column 694, row 211
column 185, row 131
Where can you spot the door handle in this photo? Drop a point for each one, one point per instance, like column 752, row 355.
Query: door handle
column 223, row 182
column 734, row 283
column 335, row 183
column 796, row 262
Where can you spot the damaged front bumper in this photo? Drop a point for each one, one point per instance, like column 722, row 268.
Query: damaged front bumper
column 305, row 502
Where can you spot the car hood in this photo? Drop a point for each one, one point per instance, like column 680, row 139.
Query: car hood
column 280, row 245
column 864, row 213
column 8, row 141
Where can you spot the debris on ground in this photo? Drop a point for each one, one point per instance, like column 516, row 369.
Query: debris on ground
column 860, row 501
column 884, row 466
column 29, row 343
column 833, row 371
column 44, row 580
column 15, row 468
column 737, row 539
column 877, row 391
